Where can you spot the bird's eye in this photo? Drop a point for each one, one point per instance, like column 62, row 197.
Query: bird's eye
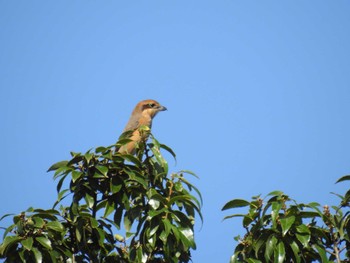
column 151, row 105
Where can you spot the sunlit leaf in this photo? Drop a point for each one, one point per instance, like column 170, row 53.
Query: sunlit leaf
column 286, row 224
column 45, row 242
column 7, row 243
column 103, row 170
column 90, row 201
column 280, row 253
column 303, row 234
column 76, row 175
column 39, row 222
column 154, row 203
column 55, row 225
column 37, row 254
column 270, row 246
column 27, row 243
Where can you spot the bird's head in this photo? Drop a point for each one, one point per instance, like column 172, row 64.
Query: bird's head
column 150, row 108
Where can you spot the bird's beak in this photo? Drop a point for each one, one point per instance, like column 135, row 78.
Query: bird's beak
column 162, row 108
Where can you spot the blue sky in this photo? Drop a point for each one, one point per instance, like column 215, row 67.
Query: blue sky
column 257, row 94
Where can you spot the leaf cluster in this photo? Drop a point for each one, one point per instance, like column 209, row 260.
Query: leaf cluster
column 278, row 229
column 123, row 208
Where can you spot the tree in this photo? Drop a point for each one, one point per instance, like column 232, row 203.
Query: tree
column 281, row 230
column 123, row 208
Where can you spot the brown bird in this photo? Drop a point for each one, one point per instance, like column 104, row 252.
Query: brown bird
column 142, row 115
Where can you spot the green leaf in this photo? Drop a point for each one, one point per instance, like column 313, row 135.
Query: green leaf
column 78, row 234
column 275, row 193
column 295, row 248
column 7, row 244
column 45, row 242
column 118, row 216
column 38, row 222
column 251, row 260
column 76, row 175
column 94, row 222
column 286, row 224
column 60, row 183
column 109, row 208
column 276, row 207
column 303, row 234
column 280, row 253
column 235, row 203
column 88, row 156
column 127, row 222
column 55, row 225
column 27, row 243
column 270, row 246
column 103, row 170
column 154, row 203
column 57, row 165
column 115, row 187
column 119, row 238
column 37, row 254
column 101, row 149
column 90, row 201
column 153, row 230
column 188, row 234
column 132, row 159
column 323, row 254
column 189, row 172
column 6, row 216
column 344, row 178
column 168, row 149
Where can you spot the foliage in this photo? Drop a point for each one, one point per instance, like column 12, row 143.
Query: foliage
column 281, row 230
column 124, row 208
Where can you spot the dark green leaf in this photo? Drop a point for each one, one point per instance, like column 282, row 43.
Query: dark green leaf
column 5, row 216
column 168, row 149
column 189, row 172
column 57, row 165
column 235, row 203
column 108, row 209
column 344, row 178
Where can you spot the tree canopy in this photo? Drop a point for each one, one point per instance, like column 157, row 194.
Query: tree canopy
column 124, row 208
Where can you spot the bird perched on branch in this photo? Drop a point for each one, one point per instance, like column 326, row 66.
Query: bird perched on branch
column 141, row 116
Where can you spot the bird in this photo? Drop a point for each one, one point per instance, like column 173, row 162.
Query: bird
column 141, row 116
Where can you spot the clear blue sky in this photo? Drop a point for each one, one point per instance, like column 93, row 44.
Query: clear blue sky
column 258, row 95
